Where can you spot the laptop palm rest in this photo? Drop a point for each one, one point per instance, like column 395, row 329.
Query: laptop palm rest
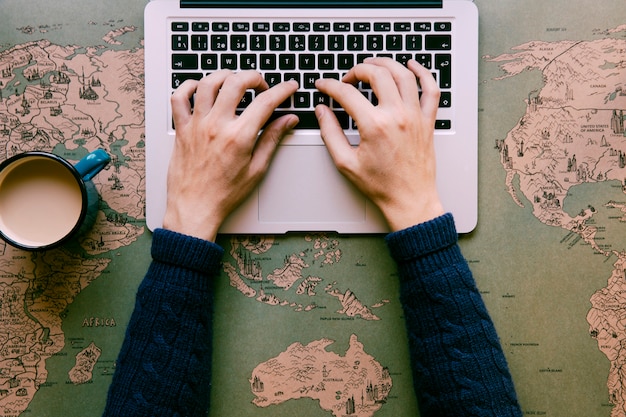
column 304, row 186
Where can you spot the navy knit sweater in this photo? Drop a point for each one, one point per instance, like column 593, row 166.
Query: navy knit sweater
column 164, row 367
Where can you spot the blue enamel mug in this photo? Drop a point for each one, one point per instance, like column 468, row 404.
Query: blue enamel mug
column 45, row 200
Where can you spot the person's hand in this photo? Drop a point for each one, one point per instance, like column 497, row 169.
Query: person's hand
column 219, row 157
column 394, row 164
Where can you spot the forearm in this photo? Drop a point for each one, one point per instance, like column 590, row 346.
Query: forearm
column 164, row 366
column 459, row 368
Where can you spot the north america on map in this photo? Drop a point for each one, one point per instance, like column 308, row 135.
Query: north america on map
column 69, row 100
column 572, row 133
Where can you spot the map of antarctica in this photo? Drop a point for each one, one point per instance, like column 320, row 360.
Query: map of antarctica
column 308, row 324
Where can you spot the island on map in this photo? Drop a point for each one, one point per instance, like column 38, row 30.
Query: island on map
column 354, row 384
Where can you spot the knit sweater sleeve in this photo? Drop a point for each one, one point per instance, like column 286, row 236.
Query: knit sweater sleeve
column 459, row 368
column 164, row 366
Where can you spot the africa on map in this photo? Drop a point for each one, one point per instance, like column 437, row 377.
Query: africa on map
column 68, row 100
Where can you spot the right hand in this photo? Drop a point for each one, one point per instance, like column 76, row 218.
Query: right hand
column 394, row 164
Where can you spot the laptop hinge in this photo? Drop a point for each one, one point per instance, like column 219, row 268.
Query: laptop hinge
column 312, row 3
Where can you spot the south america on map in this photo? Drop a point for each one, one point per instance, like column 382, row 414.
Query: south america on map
column 69, row 100
column 572, row 134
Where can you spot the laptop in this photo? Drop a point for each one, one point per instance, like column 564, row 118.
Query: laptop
column 306, row 39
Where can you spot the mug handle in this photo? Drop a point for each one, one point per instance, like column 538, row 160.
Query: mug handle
column 93, row 163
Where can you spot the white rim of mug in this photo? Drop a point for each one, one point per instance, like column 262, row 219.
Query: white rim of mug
column 83, row 190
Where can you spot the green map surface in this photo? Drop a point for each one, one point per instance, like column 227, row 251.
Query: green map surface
column 298, row 316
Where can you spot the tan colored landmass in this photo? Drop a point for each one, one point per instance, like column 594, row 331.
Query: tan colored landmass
column 86, row 360
column 573, row 133
column 72, row 101
column 354, row 384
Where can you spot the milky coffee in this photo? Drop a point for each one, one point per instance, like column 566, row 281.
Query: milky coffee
column 40, row 201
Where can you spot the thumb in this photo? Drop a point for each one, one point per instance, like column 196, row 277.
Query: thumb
column 270, row 138
column 333, row 136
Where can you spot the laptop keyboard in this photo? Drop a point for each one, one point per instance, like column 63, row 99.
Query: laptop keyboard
column 306, row 51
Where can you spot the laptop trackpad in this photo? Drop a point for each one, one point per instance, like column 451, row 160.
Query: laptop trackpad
column 303, row 185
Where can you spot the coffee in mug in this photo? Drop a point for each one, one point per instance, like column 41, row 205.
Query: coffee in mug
column 45, row 200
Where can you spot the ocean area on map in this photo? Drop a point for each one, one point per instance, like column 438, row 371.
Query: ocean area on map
column 64, row 22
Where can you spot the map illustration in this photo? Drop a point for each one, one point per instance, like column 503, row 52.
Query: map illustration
column 311, row 324
column 573, row 133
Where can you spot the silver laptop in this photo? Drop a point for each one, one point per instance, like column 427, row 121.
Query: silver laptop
column 306, row 39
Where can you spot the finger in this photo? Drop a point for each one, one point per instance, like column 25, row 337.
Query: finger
column 345, row 94
column 403, row 78
column 262, row 107
column 232, row 91
column 269, row 140
column 335, row 139
column 207, row 91
column 429, row 101
column 181, row 104
column 379, row 77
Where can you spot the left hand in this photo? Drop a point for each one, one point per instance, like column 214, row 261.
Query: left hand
column 219, row 157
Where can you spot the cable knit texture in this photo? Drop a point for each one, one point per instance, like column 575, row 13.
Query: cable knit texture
column 164, row 366
column 459, row 368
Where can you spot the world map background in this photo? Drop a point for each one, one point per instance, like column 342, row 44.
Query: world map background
column 537, row 280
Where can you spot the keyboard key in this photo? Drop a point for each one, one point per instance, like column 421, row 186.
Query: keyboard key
column 422, row 27
column 306, row 62
column 184, row 61
column 326, row 61
column 317, row 42
column 180, row 26
column 180, row 77
column 443, row 125
column 443, row 26
column 296, row 42
column 241, row 27
column 443, row 62
column 355, row 43
column 425, row 59
column 268, row 62
column 345, row 61
column 208, row 61
column 309, row 79
column 301, row 27
column 414, row 42
column 229, row 61
column 394, row 42
column 278, row 42
column 273, row 78
column 362, row 27
column 220, row 26
column 180, row 42
column 258, row 42
column 302, row 99
column 239, row 42
column 374, row 42
column 200, row 26
column 261, row 27
column 248, row 62
column 445, row 100
column 219, row 42
column 199, row 42
column 281, row 27
column 402, row 27
column 308, row 119
column 438, row 42
column 321, row 27
column 287, row 61
column 335, row 42
column 382, row 27
column 341, row 27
